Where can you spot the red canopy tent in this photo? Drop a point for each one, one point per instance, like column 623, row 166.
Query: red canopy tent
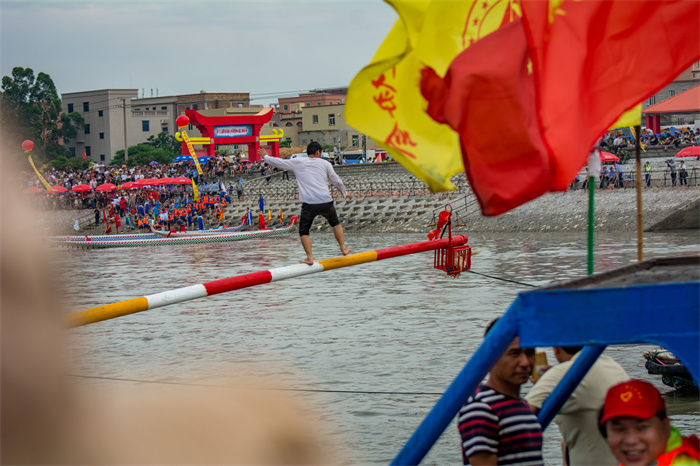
column 106, row 187
column 608, row 157
column 79, row 188
column 692, row 151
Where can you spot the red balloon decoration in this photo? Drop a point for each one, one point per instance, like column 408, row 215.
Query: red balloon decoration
column 182, row 121
column 27, row 145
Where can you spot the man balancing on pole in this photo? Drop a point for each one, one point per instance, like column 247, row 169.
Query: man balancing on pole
column 312, row 174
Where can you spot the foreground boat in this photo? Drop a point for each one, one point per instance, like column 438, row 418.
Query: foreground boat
column 129, row 241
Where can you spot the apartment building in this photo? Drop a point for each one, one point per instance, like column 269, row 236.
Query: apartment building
column 326, row 125
column 103, row 111
column 687, row 79
column 114, row 117
column 315, row 98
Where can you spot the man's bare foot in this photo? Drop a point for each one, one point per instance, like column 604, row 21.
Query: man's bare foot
column 346, row 251
column 307, row 261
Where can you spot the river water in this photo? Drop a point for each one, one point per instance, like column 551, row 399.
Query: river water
column 391, row 326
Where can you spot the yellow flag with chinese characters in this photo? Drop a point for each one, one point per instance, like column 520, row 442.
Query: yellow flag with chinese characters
column 384, row 99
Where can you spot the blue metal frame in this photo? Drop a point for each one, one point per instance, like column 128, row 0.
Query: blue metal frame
column 663, row 314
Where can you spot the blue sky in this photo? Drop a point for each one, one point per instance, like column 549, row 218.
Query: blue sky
column 181, row 47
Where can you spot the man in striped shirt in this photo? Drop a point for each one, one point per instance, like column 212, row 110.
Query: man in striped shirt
column 496, row 425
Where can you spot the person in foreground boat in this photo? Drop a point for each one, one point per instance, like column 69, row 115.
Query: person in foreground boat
column 633, row 420
column 312, row 174
column 496, row 425
column 577, row 419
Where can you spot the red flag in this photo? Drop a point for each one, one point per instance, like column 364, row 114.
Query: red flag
column 488, row 97
column 523, row 132
column 84, row 154
column 593, row 60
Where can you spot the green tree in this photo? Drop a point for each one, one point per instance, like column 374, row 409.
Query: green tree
column 31, row 109
column 166, row 142
column 143, row 154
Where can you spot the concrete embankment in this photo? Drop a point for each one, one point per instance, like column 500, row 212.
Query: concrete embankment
column 387, row 198
column 615, row 210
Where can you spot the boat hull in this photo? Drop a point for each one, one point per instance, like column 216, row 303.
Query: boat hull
column 80, row 242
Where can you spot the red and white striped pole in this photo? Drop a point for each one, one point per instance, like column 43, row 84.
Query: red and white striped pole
column 179, row 295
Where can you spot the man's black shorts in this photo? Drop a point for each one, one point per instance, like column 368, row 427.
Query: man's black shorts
column 310, row 211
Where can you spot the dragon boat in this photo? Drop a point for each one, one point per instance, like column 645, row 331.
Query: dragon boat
column 156, row 234
column 126, row 241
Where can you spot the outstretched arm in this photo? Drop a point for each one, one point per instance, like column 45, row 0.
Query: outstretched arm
column 275, row 161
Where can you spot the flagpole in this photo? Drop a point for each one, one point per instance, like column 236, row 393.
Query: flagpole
column 594, row 170
column 640, row 223
column 591, row 221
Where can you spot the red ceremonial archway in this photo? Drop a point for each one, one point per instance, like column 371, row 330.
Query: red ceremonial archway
column 234, row 129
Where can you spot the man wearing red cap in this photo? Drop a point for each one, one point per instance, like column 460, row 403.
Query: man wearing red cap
column 634, row 422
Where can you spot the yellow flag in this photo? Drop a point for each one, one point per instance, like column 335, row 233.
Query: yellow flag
column 384, row 99
column 194, row 191
column 190, row 148
column 631, row 117
column 41, row 178
column 269, row 214
column 634, row 133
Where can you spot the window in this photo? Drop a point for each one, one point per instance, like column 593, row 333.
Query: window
column 187, row 108
column 315, row 119
column 239, row 105
column 681, row 121
column 145, row 125
column 195, row 106
column 286, row 107
column 308, row 104
column 163, row 108
column 298, row 123
column 70, row 108
column 86, row 128
column 355, row 140
column 289, row 124
column 318, row 104
column 652, row 100
column 72, row 151
column 86, row 106
column 165, row 129
column 275, row 125
column 331, row 119
column 189, row 127
column 102, row 157
column 88, row 152
column 102, row 135
column 671, row 92
column 100, row 113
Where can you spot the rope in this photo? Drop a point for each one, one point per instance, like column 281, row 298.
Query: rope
column 361, row 392
column 501, row 279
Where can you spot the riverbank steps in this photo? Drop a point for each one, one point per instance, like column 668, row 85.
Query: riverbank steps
column 387, row 198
